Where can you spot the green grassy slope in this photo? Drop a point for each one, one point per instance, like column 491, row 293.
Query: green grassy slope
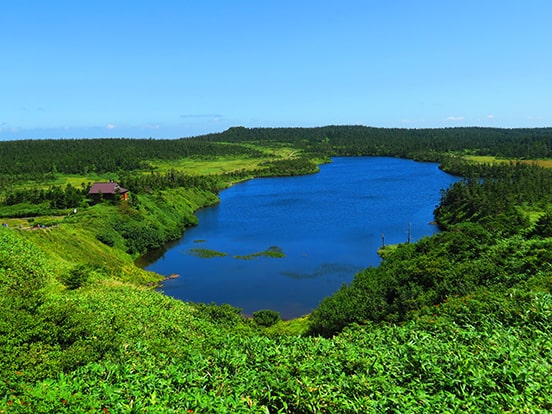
column 81, row 330
column 115, row 347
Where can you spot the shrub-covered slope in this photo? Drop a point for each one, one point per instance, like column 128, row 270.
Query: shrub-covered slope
column 457, row 322
column 110, row 346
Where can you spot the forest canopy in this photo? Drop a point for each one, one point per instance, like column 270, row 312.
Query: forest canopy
column 80, row 156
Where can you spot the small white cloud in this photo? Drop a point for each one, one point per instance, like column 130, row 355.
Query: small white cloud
column 111, row 126
column 454, row 118
column 490, row 116
column 211, row 116
column 203, row 117
column 4, row 127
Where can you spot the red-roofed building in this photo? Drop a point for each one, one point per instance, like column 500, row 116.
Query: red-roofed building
column 108, row 191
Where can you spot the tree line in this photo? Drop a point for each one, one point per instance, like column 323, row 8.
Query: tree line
column 427, row 144
column 82, row 156
column 55, row 196
column 34, row 158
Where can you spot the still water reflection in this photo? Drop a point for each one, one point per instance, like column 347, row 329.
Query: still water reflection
column 327, row 225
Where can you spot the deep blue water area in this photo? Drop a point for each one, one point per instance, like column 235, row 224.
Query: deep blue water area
column 328, row 225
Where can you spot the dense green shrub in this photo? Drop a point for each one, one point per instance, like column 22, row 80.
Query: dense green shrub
column 25, row 210
column 139, row 236
column 106, row 237
column 77, row 276
column 266, row 317
column 24, row 269
column 543, row 226
column 152, row 220
column 489, row 352
column 224, row 314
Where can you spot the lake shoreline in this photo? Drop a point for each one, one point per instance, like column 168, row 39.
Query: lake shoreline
column 320, row 254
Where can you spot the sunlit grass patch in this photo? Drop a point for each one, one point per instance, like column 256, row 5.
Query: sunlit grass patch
column 387, row 250
column 487, row 159
column 298, row 326
column 207, row 167
column 62, row 179
column 221, row 165
column 543, row 163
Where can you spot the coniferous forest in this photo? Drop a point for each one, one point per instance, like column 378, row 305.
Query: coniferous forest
column 457, row 322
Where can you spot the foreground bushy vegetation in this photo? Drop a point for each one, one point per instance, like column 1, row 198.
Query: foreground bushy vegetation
column 461, row 321
column 119, row 348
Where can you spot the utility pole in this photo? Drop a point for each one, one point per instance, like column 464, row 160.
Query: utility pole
column 409, row 234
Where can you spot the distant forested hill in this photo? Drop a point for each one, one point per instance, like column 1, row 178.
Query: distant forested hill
column 361, row 140
column 82, row 156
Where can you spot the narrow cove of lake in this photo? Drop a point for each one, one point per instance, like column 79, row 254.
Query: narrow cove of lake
column 327, row 226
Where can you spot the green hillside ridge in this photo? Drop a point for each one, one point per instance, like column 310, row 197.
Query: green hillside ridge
column 460, row 321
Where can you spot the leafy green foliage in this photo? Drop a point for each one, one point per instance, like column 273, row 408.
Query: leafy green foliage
column 55, row 196
column 494, row 195
column 224, row 314
column 148, row 183
column 291, row 166
column 107, row 237
column 452, row 263
column 420, row 144
column 486, row 353
column 25, row 210
column 266, row 317
column 23, row 269
column 457, row 322
column 77, row 276
column 149, row 221
column 543, row 226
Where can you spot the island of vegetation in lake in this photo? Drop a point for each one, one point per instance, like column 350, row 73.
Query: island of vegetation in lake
column 460, row 321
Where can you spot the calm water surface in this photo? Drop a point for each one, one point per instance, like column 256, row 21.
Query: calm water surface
column 329, row 226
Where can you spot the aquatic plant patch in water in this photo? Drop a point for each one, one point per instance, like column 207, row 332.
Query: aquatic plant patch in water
column 207, row 253
column 325, row 269
column 274, row 252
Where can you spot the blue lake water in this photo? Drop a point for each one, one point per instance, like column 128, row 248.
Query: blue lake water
column 329, row 226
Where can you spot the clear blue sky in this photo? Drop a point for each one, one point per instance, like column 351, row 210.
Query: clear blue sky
column 164, row 68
